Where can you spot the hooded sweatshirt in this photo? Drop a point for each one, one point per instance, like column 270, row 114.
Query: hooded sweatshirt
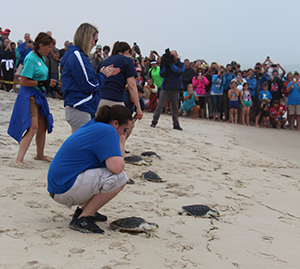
column 80, row 84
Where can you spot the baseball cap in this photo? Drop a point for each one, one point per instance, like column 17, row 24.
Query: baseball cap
column 4, row 33
column 7, row 30
column 98, row 47
column 138, row 69
column 19, row 41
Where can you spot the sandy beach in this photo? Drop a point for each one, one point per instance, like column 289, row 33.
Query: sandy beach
column 250, row 175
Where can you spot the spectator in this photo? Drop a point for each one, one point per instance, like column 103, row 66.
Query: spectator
column 7, row 56
column 293, row 88
column 246, row 104
column 189, row 103
column 53, row 61
column 265, row 94
column 18, row 55
column 275, row 86
column 225, row 102
column 200, row 82
column 276, row 119
column 106, row 51
column 154, row 73
column 187, row 75
column 24, row 49
column 150, row 96
column 233, row 96
column 97, row 57
column 171, row 85
column 62, row 51
column 216, row 92
column 262, row 114
column 139, row 78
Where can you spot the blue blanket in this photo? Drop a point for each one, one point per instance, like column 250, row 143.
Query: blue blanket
column 20, row 119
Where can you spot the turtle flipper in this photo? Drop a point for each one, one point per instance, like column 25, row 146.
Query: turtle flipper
column 214, row 217
column 147, row 232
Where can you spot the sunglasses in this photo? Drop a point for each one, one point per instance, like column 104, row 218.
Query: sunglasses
column 96, row 40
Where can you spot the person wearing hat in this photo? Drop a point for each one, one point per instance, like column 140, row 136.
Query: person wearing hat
column 154, row 74
column 96, row 57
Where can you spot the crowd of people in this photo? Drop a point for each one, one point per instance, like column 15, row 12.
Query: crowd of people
column 104, row 94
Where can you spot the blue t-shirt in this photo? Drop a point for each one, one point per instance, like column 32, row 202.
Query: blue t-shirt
column 265, row 95
column 189, row 103
column 87, row 148
column 34, row 68
column 294, row 96
column 114, row 86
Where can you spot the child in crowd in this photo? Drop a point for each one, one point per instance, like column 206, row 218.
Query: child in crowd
column 275, row 115
column 262, row 114
column 281, row 110
column 233, row 96
column 150, row 96
column 265, row 94
column 189, row 102
column 246, row 104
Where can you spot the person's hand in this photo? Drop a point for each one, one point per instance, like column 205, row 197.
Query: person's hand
column 110, row 70
column 139, row 114
column 52, row 82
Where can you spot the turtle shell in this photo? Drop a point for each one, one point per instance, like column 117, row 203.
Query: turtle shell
column 151, row 176
column 201, row 211
column 136, row 160
column 150, row 154
column 130, row 224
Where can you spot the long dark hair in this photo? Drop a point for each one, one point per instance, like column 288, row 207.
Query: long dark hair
column 120, row 47
column 106, row 114
column 42, row 38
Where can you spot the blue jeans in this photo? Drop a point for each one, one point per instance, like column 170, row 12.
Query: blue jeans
column 217, row 103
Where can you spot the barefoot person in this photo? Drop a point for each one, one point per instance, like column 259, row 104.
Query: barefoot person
column 31, row 112
column 88, row 167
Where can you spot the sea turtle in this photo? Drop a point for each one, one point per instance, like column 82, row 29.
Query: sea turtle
column 151, row 176
column 200, row 211
column 137, row 160
column 133, row 224
column 150, row 154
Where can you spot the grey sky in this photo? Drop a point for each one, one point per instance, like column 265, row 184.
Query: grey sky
column 216, row 30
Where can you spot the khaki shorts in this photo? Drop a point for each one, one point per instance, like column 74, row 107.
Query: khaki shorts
column 76, row 118
column 294, row 110
column 34, row 108
column 90, row 183
column 19, row 70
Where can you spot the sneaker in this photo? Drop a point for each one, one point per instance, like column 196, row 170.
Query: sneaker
column 96, row 217
column 85, row 225
column 153, row 125
column 130, row 181
column 127, row 151
column 177, row 128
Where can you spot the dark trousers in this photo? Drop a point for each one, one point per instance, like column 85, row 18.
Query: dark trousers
column 174, row 99
column 8, row 75
column 217, row 103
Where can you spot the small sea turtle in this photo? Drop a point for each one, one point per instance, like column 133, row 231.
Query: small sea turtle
column 133, row 224
column 150, row 154
column 202, row 211
column 151, row 176
column 137, row 160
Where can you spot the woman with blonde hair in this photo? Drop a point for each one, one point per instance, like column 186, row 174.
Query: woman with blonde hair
column 80, row 85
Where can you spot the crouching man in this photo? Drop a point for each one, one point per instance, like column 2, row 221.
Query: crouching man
column 88, row 167
column 189, row 104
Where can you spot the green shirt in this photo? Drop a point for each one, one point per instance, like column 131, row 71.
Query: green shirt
column 34, row 68
column 154, row 74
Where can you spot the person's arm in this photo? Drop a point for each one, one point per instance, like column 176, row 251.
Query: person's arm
column 28, row 82
column 134, row 95
column 196, row 97
column 283, row 71
column 229, row 94
column 177, row 70
column 290, row 87
column 55, row 55
column 115, row 164
column 241, row 98
column 162, row 71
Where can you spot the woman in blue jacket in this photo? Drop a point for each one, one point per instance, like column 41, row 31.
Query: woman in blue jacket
column 80, row 85
column 216, row 93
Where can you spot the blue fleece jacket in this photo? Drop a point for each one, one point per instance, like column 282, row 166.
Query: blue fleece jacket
column 80, row 85
column 252, row 85
column 218, row 83
column 172, row 76
column 20, row 119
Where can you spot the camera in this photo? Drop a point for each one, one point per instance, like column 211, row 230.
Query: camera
column 136, row 48
column 222, row 72
column 29, row 41
column 167, row 59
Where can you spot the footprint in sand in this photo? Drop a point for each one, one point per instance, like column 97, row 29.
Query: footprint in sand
column 36, row 265
column 35, row 204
